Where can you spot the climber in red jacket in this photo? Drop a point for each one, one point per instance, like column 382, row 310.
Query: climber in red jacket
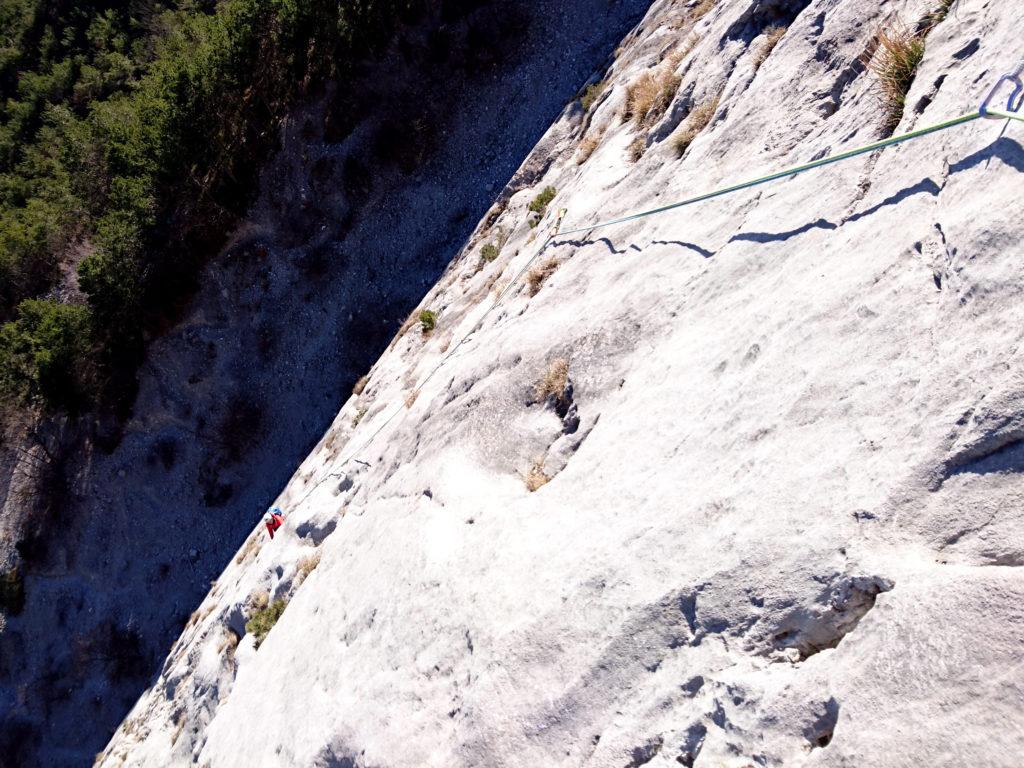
column 274, row 520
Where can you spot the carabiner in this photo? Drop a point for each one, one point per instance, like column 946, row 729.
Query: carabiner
column 1016, row 97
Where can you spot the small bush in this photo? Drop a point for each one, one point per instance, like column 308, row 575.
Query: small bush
column 536, row 276
column 358, row 417
column 591, row 94
column 553, row 382
column 536, row 478
column 360, row 385
column 263, row 621
column 489, row 252
column 539, row 204
column 695, row 122
column 894, row 64
column 428, row 320
column 772, row 36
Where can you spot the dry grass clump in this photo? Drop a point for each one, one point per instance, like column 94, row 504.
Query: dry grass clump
column 360, row 385
column 696, row 122
column 252, row 545
column 408, row 323
column 942, row 10
column 258, row 599
column 411, row 399
column 702, row 10
column 228, row 643
column 200, row 613
column 894, row 63
column 179, row 726
column 306, row 566
column 650, row 95
column 636, row 148
column 552, row 383
column 772, row 36
column 535, row 477
column 587, row 147
column 536, row 276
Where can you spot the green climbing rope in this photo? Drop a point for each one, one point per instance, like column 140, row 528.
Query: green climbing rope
column 866, row 149
column 556, row 232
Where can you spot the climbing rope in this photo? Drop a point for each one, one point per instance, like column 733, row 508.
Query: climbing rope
column 1012, row 112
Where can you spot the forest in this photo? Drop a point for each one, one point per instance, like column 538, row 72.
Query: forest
column 131, row 134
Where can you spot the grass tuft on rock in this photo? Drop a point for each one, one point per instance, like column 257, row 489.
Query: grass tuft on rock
column 263, row 621
column 536, row 478
column 894, row 64
column 695, row 122
column 552, row 383
column 772, row 36
column 650, row 95
column 536, row 276
column 636, row 148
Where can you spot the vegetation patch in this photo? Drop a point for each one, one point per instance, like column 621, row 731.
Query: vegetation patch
column 636, row 148
column 306, row 566
column 591, row 94
column 535, row 277
column 358, row 417
column 263, row 621
column 696, row 122
column 552, row 384
column 587, row 147
column 539, row 204
column 251, row 547
column 650, row 95
column 772, row 36
column 702, row 9
column 131, row 139
column 46, row 356
column 536, row 478
column 489, row 252
column 428, row 320
column 894, row 64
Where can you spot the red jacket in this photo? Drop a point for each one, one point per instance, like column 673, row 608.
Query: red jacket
column 276, row 522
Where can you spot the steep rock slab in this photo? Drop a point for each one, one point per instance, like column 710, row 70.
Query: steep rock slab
column 728, row 563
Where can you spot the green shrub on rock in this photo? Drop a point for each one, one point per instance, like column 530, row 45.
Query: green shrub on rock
column 263, row 621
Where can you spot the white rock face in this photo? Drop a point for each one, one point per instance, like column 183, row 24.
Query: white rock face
column 784, row 522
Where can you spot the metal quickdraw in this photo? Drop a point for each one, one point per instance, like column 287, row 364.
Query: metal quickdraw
column 1016, row 99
